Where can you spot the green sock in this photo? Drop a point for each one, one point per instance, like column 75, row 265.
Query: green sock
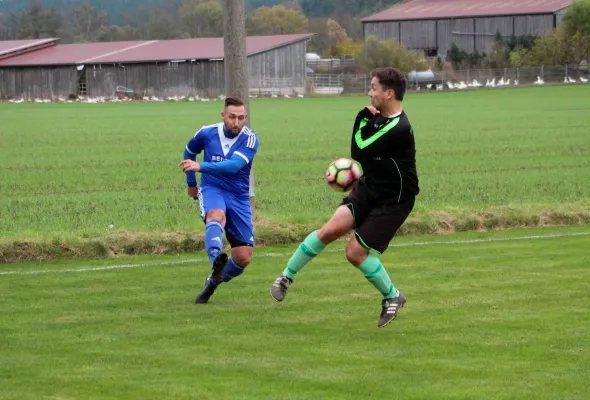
column 311, row 247
column 377, row 275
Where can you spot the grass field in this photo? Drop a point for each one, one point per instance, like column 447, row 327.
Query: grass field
column 498, row 315
column 490, row 315
column 486, row 159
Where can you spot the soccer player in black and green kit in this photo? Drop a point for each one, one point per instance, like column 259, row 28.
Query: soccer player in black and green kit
column 383, row 143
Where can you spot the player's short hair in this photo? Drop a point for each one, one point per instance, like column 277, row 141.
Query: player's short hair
column 233, row 101
column 392, row 78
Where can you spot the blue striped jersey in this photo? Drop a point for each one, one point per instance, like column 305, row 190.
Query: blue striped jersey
column 218, row 146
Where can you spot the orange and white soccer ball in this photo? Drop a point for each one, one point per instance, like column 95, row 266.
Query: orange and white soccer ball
column 343, row 174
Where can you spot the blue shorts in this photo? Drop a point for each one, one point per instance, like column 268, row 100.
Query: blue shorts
column 238, row 215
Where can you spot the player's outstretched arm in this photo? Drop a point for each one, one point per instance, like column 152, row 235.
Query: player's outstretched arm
column 241, row 157
column 228, row 167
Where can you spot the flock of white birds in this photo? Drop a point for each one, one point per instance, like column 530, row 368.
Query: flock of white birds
column 154, row 99
column 491, row 83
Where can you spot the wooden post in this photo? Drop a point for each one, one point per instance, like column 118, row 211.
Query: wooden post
column 235, row 62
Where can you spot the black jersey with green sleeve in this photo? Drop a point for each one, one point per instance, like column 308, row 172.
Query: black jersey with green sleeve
column 385, row 148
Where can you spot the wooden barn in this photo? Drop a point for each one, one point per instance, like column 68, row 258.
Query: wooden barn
column 434, row 25
column 161, row 68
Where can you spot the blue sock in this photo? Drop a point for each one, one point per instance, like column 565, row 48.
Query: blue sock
column 232, row 270
column 213, row 239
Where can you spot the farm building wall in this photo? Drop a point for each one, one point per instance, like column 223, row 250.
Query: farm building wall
column 200, row 78
column 469, row 34
column 37, row 82
column 280, row 70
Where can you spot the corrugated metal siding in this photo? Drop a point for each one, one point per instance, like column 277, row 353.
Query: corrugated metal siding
column 418, row 34
column 462, row 34
column 204, row 79
column 444, row 32
column 32, row 83
column 487, row 28
column 280, row 68
column 532, row 24
column 504, row 25
column 445, row 38
column 102, row 80
column 382, row 30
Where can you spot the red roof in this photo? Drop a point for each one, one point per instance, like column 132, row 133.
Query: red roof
column 18, row 46
column 433, row 9
column 144, row 51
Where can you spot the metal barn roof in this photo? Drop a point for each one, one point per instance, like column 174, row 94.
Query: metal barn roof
column 9, row 48
column 144, row 51
column 435, row 9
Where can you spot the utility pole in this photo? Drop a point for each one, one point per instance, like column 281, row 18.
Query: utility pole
column 235, row 61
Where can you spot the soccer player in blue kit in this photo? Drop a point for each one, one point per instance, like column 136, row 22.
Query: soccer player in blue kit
column 224, row 196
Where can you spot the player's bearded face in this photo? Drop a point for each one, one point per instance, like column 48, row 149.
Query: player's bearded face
column 234, row 119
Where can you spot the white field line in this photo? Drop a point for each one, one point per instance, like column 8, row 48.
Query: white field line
column 200, row 260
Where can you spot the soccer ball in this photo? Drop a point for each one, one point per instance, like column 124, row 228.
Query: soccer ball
column 343, row 175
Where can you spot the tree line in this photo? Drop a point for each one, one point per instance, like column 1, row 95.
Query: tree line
column 117, row 20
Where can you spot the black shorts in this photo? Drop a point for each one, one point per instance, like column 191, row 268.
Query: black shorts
column 376, row 221
column 233, row 242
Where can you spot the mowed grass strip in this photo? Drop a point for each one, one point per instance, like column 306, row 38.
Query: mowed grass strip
column 486, row 159
column 490, row 320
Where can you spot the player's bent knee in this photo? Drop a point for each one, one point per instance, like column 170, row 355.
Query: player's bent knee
column 329, row 233
column 243, row 261
column 339, row 225
column 216, row 215
column 242, row 255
